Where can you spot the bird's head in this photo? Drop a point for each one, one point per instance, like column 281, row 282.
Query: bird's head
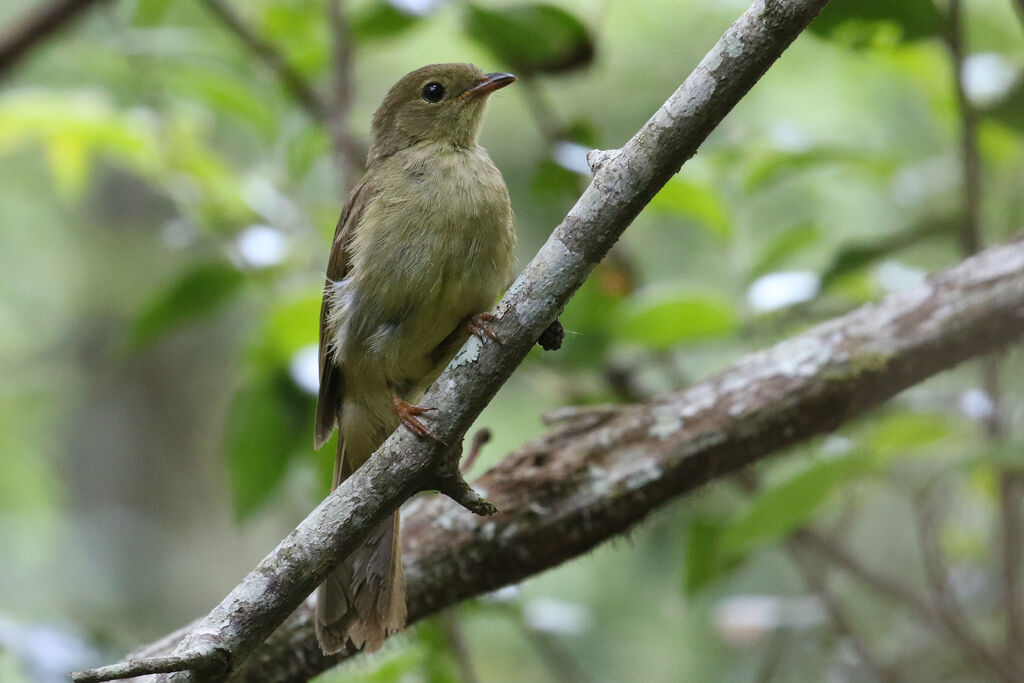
column 439, row 102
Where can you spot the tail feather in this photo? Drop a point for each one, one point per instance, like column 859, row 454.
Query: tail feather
column 362, row 601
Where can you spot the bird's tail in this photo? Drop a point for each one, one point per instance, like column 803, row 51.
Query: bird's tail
column 362, row 601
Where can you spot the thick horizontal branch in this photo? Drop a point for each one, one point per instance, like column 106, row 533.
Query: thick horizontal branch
column 41, row 23
column 621, row 187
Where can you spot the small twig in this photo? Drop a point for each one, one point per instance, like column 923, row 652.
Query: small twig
column 896, row 592
column 480, row 439
column 816, row 579
column 210, row 662
column 456, row 488
column 348, row 153
column 817, row 582
column 293, row 81
column 38, row 25
column 165, row 644
column 773, row 656
column 544, row 115
column 1010, row 491
column 946, row 604
column 970, row 238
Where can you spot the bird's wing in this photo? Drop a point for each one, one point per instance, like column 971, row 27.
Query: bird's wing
column 332, row 383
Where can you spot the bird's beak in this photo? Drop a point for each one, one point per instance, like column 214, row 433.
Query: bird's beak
column 489, row 83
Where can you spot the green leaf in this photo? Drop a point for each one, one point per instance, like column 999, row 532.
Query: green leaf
column 905, row 432
column 778, row 510
column 305, row 149
column 855, row 257
column 584, row 132
column 224, row 92
column 69, row 162
column 778, row 165
column 261, row 434
column 531, row 38
column 665, row 319
column 393, row 664
column 704, row 559
column 150, row 12
column 552, row 182
column 587, row 321
column 198, row 293
column 857, row 23
column 381, row 20
column 297, row 29
column 438, row 663
column 777, row 252
column 702, row 204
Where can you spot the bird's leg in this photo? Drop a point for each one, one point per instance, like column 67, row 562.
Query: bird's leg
column 477, row 326
column 407, row 413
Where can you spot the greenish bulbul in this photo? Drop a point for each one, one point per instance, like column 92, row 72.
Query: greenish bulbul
column 423, row 247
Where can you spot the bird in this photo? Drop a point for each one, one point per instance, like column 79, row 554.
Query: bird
column 422, row 250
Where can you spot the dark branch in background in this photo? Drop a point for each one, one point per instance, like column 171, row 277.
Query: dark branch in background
column 1019, row 6
column 1011, row 484
column 970, row 234
column 547, row 120
column 602, row 469
column 816, row 578
column 348, row 153
column 624, row 181
column 947, row 606
column 17, row 40
column 897, row 593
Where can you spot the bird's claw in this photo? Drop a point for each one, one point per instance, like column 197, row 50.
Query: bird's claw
column 478, row 327
column 408, row 414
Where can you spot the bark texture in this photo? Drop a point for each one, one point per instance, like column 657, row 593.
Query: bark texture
column 601, row 470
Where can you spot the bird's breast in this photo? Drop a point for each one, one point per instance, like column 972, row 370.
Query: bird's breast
column 431, row 250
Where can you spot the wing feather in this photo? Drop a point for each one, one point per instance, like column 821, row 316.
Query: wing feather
column 332, row 382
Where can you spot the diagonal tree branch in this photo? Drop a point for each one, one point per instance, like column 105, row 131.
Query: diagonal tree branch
column 602, row 469
column 624, row 182
column 39, row 25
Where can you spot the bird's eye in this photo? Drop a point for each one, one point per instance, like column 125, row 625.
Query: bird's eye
column 433, row 92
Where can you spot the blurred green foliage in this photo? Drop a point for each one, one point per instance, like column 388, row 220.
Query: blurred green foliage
column 167, row 207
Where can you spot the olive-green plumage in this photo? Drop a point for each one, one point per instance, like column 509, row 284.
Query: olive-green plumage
column 424, row 243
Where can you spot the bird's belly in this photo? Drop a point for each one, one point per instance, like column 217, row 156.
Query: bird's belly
column 431, row 288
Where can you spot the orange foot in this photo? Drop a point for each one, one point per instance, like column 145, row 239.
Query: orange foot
column 408, row 413
column 477, row 326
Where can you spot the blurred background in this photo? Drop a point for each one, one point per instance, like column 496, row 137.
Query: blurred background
column 170, row 178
